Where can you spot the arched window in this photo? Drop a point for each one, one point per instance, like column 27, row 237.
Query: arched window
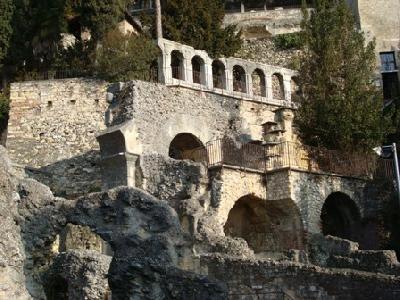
column 177, row 67
column 267, row 226
column 187, row 146
column 259, row 87
column 295, row 89
column 198, row 70
column 239, row 79
column 218, row 72
column 340, row 217
column 277, row 87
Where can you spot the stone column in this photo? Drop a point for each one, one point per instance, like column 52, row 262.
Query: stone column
column 187, row 69
column 249, row 84
column 229, row 80
column 268, row 84
column 164, row 65
column 287, row 86
column 119, row 170
column 208, row 76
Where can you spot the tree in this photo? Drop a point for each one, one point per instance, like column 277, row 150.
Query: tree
column 341, row 107
column 125, row 57
column 99, row 16
column 6, row 13
column 199, row 24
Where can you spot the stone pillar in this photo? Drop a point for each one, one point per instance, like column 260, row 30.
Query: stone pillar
column 119, row 170
column 229, row 80
column 287, row 86
column 209, row 81
column 164, row 65
column 187, row 69
column 249, row 84
column 268, row 84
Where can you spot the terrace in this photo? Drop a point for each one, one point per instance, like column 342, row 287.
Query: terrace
column 273, row 157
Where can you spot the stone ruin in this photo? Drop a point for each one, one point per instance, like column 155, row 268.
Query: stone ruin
column 191, row 187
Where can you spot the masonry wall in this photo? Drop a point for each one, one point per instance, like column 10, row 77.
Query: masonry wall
column 276, row 21
column 52, row 129
column 247, row 279
column 380, row 20
column 155, row 114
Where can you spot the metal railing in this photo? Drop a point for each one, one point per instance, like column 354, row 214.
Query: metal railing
column 51, row 74
column 314, row 159
column 235, row 6
column 267, row 158
column 150, row 75
column 277, row 295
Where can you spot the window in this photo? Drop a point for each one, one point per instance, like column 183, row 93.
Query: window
column 388, row 62
column 391, row 88
column 390, row 76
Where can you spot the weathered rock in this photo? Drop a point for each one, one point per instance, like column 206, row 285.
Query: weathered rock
column 79, row 275
column 12, row 254
column 148, row 244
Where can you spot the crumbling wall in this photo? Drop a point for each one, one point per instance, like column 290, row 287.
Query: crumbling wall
column 173, row 180
column 277, row 21
column 52, row 129
column 286, row 280
column 264, row 51
column 158, row 113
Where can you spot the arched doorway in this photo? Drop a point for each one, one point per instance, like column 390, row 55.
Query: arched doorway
column 187, row 146
column 177, row 68
column 340, row 217
column 239, row 79
column 277, row 87
column 218, row 72
column 267, row 226
column 198, row 70
column 258, row 78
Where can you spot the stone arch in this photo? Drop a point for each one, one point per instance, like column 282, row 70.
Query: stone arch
column 278, row 87
column 295, row 88
column 239, row 79
column 267, row 226
column 177, row 65
column 259, row 83
column 112, row 143
column 198, row 69
column 340, row 217
column 186, row 146
column 218, row 72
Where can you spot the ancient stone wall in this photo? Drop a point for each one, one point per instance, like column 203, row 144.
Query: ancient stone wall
column 309, row 191
column 159, row 113
column 173, row 180
column 264, row 51
column 52, row 130
column 276, row 21
column 285, row 280
column 235, row 184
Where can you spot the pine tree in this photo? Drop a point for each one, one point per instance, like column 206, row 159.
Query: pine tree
column 341, row 107
column 6, row 13
column 199, row 24
column 99, row 16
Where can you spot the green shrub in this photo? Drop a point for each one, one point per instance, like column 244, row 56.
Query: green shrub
column 288, row 41
column 124, row 57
